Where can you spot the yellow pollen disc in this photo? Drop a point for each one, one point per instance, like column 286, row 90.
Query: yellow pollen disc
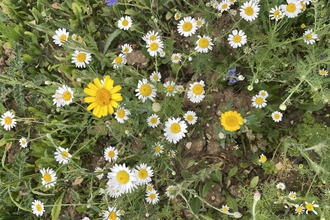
column 143, row 174
column 225, row 209
column 8, row 120
column 277, row 14
column 118, row 60
column 309, row 36
column 249, row 11
column 23, row 142
column 187, row 26
column 66, row 96
column 155, row 77
column 47, row 177
column 122, row 177
column 121, row 113
column 112, row 216
column 291, row 8
column 259, row 101
column 224, row 6
column 152, row 37
column 170, row 190
column 99, row 171
column 149, row 188
column 310, row 207
column 152, row 196
column 145, row 90
column 81, row 57
column 157, row 149
column 176, row 57
column 124, row 22
column 299, row 209
column 153, row 120
column 190, row 117
column 153, row 46
column 111, row 154
column 237, row 38
column 169, row 88
column 38, row 207
column 323, row 72
column 232, row 121
column 103, row 97
column 64, row 154
column 175, row 128
column 203, row 43
column 125, row 50
column 263, row 159
column 277, row 116
column 198, row 89
column 63, row 37
column 199, row 23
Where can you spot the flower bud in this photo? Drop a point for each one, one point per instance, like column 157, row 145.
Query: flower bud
column 283, row 107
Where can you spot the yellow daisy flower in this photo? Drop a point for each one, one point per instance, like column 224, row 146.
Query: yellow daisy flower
column 231, row 120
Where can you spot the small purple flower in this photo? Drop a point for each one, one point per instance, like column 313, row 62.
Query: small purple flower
column 232, row 76
column 111, row 2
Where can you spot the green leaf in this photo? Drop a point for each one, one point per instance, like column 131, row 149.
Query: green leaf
column 217, row 176
column 254, row 182
column 190, row 163
column 57, row 207
column 195, row 205
column 311, row 107
column 231, row 202
column 186, row 174
column 110, row 39
column 232, row 172
column 206, row 188
column 206, row 217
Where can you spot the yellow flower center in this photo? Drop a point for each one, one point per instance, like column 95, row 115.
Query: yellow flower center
column 153, row 46
column 187, row 26
column 125, row 51
column 158, row 149
column 237, row 38
column 152, row 37
column 143, row 174
column 232, row 121
column 103, row 97
column 199, row 23
column 277, row 14
column 303, row 26
column 8, row 120
column 309, row 206
column 309, row 36
column 277, row 116
column 47, row 177
column 299, row 209
column 125, row 23
column 152, row 196
column 175, row 128
column 176, row 57
column 259, row 101
column 224, row 209
column 153, row 120
column 66, row 96
column 155, row 77
column 121, row 113
column 63, row 37
column 145, row 90
column 292, row 196
column 118, row 60
column 323, row 72
column 99, row 171
column 177, row 16
column 170, row 88
column 170, row 189
column 225, row 6
column 303, row 5
column 263, row 159
column 203, row 43
column 190, row 118
column 198, row 89
column 81, row 57
column 122, row 177
column 23, row 142
column 111, row 154
column 149, row 188
column 112, row 216
column 291, row 8
column 249, row 11
column 64, row 154
column 39, row 207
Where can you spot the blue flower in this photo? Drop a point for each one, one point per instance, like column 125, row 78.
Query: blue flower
column 111, row 2
column 232, row 76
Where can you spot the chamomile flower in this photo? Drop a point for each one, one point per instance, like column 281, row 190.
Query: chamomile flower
column 196, row 92
column 125, row 23
column 247, row 50
column 292, row 195
column 48, row 177
column 162, row 53
column 225, row 208
column 323, row 72
column 149, row 187
column 86, row 218
column 172, row 153
column 8, row 120
column 275, row 13
column 187, row 26
column 258, row 101
column 249, row 10
column 119, row 61
column 74, row 37
column 177, row 16
column 152, row 197
column 190, row 117
column 38, row 208
column 310, row 207
column 111, row 154
column 145, row 90
column 62, row 155
column 100, row 171
column 277, row 116
column 176, row 57
column 111, row 214
column 61, row 35
column 122, row 178
column 63, row 96
column 200, row 22
column 280, row 186
column 155, row 76
column 151, row 36
column 122, row 114
column 299, row 209
column 169, row 191
column 263, row 94
column 81, row 58
column 155, row 47
column 143, row 174
column 292, row 9
column 179, row 88
column 158, row 149
column 309, row 37
column 153, row 121
column 237, row 38
column 126, row 48
column 224, row 6
column 262, row 158
column 170, row 88
column 23, row 142
column 204, row 44
column 112, row 192
column 175, row 130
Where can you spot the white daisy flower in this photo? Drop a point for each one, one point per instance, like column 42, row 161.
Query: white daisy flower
column 277, row 116
column 292, row 195
column 237, row 38
column 258, row 101
column 125, row 23
column 232, row 1
column 170, row 88
column 249, row 10
column 8, row 121
column 62, row 155
column 100, row 171
column 38, row 208
column 48, row 177
column 263, row 94
column 111, row 214
column 155, row 76
column 224, row 6
column 172, row 153
column 23, row 142
column 179, row 88
column 177, row 16
column 61, row 35
column 187, row 26
column 151, row 36
column 80, row 58
column 225, row 208
column 204, row 44
column 86, row 218
column 143, row 174
column 153, row 121
column 111, row 154
column 175, row 130
column 176, row 57
column 292, row 9
column 162, row 53
column 158, row 148
column 280, row 186
column 196, row 92
column 190, row 117
column 200, row 22
column 275, row 13
column 119, row 61
column 323, row 72
column 152, row 197
column 299, row 209
column 169, row 192
column 149, row 187
column 74, row 37
column 122, row 178
column 310, row 207
column 309, row 37
column 122, row 114
column 112, row 192
column 145, row 90
column 154, row 47
column 214, row 3
column 126, row 48
column 63, row 96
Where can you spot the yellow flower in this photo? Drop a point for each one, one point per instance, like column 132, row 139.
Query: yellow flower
column 231, row 120
column 103, row 97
